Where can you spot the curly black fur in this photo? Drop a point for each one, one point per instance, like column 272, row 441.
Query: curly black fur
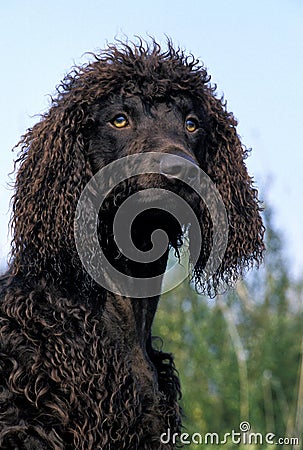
column 78, row 369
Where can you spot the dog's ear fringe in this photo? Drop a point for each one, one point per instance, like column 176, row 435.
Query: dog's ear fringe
column 52, row 174
column 223, row 159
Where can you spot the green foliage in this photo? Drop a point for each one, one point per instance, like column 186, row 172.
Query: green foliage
column 240, row 356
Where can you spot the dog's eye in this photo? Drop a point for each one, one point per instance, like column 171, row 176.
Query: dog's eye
column 119, row 121
column 191, row 124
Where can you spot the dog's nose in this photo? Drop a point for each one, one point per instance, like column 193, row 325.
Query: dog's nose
column 179, row 167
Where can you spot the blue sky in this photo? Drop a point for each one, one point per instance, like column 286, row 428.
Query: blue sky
column 252, row 49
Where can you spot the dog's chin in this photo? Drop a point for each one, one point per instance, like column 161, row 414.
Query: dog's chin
column 153, row 219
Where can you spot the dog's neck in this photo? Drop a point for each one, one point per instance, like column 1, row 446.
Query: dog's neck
column 134, row 315
column 128, row 323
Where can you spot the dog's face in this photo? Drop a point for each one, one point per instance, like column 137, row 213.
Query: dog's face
column 128, row 125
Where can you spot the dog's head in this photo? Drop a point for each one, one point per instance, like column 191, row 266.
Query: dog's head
column 136, row 100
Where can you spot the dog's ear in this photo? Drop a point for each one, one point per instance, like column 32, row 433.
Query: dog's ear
column 223, row 160
column 52, row 172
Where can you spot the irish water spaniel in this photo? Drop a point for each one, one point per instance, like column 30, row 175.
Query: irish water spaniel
column 78, row 367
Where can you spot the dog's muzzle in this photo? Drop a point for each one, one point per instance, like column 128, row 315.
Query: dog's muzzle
column 183, row 167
